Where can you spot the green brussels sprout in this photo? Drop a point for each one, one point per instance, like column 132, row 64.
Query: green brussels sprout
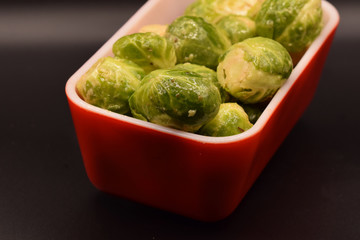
column 197, row 41
column 109, row 83
column 213, row 10
column 155, row 28
column 230, row 120
column 175, row 98
column 209, row 75
column 148, row 50
column 254, row 111
column 254, row 69
column 237, row 28
column 295, row 24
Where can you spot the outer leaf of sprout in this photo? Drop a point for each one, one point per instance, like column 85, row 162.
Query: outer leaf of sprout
column 109, row 83
column 230, row 120
column 254, row 69
column 149, row 50
column 295, row 24
column 197, row 41
column 176, row 98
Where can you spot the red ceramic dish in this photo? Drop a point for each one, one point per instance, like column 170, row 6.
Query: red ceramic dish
column 201, row 177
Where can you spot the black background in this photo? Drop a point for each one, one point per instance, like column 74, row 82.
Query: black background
column 309, row 190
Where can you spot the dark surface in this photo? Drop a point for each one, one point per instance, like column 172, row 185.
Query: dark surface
column 309, row 190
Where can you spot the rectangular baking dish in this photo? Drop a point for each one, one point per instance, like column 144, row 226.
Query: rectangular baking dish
column 200, row 177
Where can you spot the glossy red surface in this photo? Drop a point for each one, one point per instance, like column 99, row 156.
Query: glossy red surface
column 203, row 180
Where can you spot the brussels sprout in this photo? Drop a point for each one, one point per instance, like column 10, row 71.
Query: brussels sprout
column 254, row 111
column 208, row 74
column 237, row 28
column 155, row 28
column 149, row 50
column 204, row 9
column 175, row 98
column 254, row 69
column 295, row 24
column 197, row 41
column 109, row 83
column 213, row 10
column 230, row 120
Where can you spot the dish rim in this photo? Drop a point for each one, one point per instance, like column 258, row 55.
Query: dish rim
column 331, row 20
